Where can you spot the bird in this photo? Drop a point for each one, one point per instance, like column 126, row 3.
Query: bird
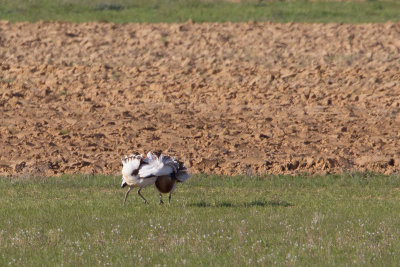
column 130, row 175
column 158, row 169
column 168, row 171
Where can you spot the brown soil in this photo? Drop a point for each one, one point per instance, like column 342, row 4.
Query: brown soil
column 225, row 98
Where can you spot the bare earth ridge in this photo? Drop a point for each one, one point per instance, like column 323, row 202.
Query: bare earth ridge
column 247, row 98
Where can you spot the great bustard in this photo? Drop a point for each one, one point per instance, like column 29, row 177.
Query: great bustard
column 162, row 171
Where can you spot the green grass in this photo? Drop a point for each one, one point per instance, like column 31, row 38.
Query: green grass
column 218, row 221
column 124, row 11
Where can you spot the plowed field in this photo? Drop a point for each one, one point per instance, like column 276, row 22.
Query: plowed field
column 225, row 98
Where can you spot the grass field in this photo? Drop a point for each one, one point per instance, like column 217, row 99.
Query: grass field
column 123, row 11
column 219, row 221
column 348, row 219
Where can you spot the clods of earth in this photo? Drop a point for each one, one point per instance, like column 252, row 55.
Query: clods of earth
column 243, row 98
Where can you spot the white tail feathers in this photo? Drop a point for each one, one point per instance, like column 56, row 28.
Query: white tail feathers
column 154, row 166
column 157, row 166
column 130, row 164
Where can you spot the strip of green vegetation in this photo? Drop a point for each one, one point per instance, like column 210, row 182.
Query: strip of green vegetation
column 152, row 11
column 331, row 220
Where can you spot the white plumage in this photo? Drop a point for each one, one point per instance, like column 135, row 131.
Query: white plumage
column 157, row 166
column 129, row 174
column 162, row 171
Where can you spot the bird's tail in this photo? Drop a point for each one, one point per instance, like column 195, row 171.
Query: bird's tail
column 130, row 164
column 158, row 161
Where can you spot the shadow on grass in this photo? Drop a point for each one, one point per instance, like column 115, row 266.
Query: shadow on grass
column 254, row 203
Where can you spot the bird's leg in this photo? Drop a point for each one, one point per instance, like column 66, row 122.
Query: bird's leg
column 161, row 202
column 126, row 195
column 169, row 198
column 145, row 201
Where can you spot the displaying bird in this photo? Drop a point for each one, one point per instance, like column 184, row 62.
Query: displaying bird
column 162, row 171
column 130, row 175
column 168, row 171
